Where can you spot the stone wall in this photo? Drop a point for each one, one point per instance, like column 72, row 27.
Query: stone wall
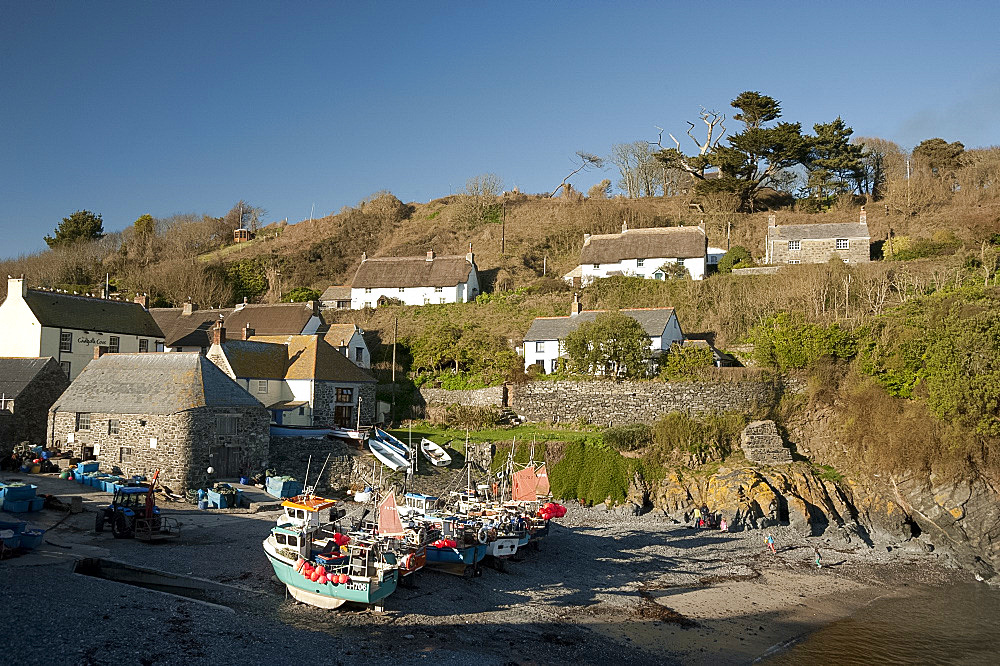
column 484, row 397
column 820, row 251
column 762, row 444
column 325, row 400
column 605, row 402
column 182, row 445
column 29, row 420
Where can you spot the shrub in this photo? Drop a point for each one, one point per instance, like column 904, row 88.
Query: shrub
column 785, row 341
column 629, row 437
column 685, row 362
column 737, row 254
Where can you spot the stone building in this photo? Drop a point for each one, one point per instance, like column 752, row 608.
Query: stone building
column 28, row 387
column 336, row 297
column 349, row 340
column 301, row 379
column 189, row 329
column 645, row 253
column 817, row 243
column 415, row 280
column 177, row 413
column 36, row 323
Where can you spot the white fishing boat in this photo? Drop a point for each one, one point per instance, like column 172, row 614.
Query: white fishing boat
column 388, row 455
column 390, row 441
column 347, row 433
column 435, row 453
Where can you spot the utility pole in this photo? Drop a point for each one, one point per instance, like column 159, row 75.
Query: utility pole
column 395, row 328
column 503, row 228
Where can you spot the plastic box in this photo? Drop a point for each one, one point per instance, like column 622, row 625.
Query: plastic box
column 280, row 488
column 36, row 504
column 89, row 466
column 25, row 492
column 32, row 538
column 17, row 506
column 217, row 500
column 16, row 525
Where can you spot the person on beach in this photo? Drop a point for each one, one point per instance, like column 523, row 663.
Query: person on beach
column 697, row 517
column 770, row 544
column 723, row 526
column 819, row 558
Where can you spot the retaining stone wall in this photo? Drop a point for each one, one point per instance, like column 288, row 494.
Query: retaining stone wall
column 610, row 403
column 484, row 397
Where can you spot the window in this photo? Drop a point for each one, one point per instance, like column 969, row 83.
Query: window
column 402, row 289
column 359, row 354
column 280, row 538
column 65, row 367
column 6, row 404
column 539, row 346
column 143, row 346
column 640, row 262
column 125, row 454
column 555, row 363
column 438, row 290
column 261, row 386
column 227, row 424
column 368, row 290
column 113, row 344
column 441, row 300
column 345, row 395
column 83, row 421
column 794, row 261
column 302, row 411
column 427, row 301
column 112, row 426
column 843, row 244
column 159, row 346
column 66, row 341
column 795, row 245
column 596, row 266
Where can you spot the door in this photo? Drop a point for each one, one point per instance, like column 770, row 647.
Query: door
column 226, row 460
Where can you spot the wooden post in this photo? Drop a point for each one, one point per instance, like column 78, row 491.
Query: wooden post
column 395, row 328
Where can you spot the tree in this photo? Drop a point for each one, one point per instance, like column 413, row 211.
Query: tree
column 145, row 225
column 583, row 162
column 244, row 215
column 736, row 255
column 612, row 345
column 81, row 225
column 600, row 190
column 880, row 158
column 695, row 165
column 833, row 162
column 942, row 158
column 479, row 202
column 300, row 295
column 641, row 174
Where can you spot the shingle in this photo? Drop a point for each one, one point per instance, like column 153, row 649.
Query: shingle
column 91, row 314
column 193, row 330
column 652, row 320
column 17, row 373
column 311, row 357
column 818, row 231
column 256, row 359
column 340, row 292
column 389, row 272
column 153, row 383
column 658, row 242
column 339, row 335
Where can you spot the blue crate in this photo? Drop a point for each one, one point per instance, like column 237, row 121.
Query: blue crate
column 17, row 506
column 15, row 525
column 36, row 504
column 32, row 538
column 276, row 487
column 25, row 492
column 89, row 466
column 217, row 501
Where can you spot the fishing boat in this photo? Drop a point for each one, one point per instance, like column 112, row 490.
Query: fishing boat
column 390, row 441
column 461, row 547
column 389, row 456
column 434, row 452
column 322, row 567
column 347, row 433
column 309, row 432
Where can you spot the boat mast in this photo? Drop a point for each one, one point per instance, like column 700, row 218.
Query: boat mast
column 308, row 465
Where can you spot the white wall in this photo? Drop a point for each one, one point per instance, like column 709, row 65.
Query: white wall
column 695, row 266
column 20, row 332
column 414, row 295
column 358, row 340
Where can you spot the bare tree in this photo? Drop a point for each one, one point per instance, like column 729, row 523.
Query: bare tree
column 600, row 190
column 583, row 162
column 640, row 174
column 694, row 166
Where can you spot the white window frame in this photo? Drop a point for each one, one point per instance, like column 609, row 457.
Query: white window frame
column 597, row 267
column 640, row 262
column 65, row 365
column 143, row 346
column 438, row 290
column 539, row 346
column 359, row 354
column 82, row 421
column 842, row 244
column 794, row 245
column 261, row 386
column 795, row 261
column 113, row 426
column 402, row 289
column 368, row 290
column 66, row 342
column 114, row 344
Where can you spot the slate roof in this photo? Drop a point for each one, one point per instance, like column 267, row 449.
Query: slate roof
column 253, row 359
column 91, row 314
column 652, row 320
column 152, row 383
column 339, row 335
column 337, row 292
column 17, row 373
column 311, row 357
column 389, row 272
column 818, row 231
column 181, row 330
column 658, row 242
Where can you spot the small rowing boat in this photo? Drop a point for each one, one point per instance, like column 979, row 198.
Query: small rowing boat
column 387, row 455
column 435, row 453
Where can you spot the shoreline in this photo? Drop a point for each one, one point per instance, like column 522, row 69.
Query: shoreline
column 634, row 589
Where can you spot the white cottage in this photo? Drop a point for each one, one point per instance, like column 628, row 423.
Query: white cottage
column 415, row 280
column 642, row 253
column 36, row 323
column 349, row 340
column 544, row 342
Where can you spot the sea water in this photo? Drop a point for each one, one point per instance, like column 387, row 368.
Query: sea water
column 953, row 624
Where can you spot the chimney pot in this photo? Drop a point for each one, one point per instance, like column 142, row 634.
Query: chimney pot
column 189, row 308
column 248, row 332
column 143, row 300
column 864, row 216
column 430, row 255
column 218, row 333
column 771, row 222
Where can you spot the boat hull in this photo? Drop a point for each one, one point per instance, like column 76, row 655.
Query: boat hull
column 388, row 457
column 503, row 547
column 304, row 431
column 329, row 595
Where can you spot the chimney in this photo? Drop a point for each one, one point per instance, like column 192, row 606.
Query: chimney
column 701, row 225
column 99, row 351
column 577, row 307
column 143, row 300
column 218, row 333
column 430, row 255
column 241, row 305
column 247, row 332
column 17, row 286
column 624, row 226
column 314, row 306
column 586, row 238
column 364, row 257
column 189, row 308
column 771, row 220
column 471, row 258
column 864, row 216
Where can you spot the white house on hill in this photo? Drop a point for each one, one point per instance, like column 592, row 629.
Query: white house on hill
column 415, row 280
column 641, row 253
column 544, row 343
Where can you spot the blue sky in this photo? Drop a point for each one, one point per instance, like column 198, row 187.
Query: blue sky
column 126, row 108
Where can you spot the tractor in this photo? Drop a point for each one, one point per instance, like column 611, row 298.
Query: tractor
column 133, row 513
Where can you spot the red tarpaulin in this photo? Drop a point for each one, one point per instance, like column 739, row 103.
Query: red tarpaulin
column 542, row 487
column 388, row 517
column 524, row 484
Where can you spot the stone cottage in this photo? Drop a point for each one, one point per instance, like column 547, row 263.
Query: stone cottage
column 817, row 243
column 173, row 412
column 28, row 387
